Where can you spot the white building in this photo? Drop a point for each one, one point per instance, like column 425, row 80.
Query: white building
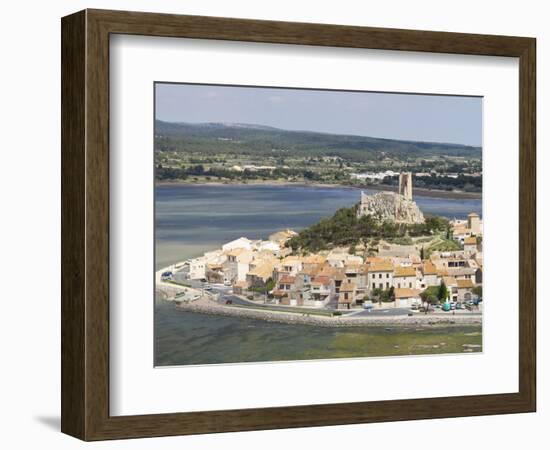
column 268, row 246
column 404, row 278
column 380, row 275
column 237, row 264
column 242, row 242
column 197, row 268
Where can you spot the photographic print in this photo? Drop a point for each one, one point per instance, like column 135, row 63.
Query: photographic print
column 301, row 224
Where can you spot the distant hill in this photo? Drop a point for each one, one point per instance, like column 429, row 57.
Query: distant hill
column 212, row 138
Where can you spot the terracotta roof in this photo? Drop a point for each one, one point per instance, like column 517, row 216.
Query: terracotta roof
column 311, row 271
column 406, row 293
column 384, row 266
column 348, row 287
column 321, row 279
column 292, row 259
column 374, row 259
column 240, row 284
column 449, row 281
column 464, row 284
column 338, row 275
column 470, row 241
column 460, row 229
column 460, row 271
column 262, row 271
column 287, row 279
column 314, row 259
column 405, row 272
column 429, row 268
column 279, row 293
column 473, row 214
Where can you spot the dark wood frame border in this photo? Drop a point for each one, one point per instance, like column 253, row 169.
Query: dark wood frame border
column 85, row 224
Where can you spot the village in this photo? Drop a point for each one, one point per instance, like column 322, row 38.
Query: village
column 342, row 280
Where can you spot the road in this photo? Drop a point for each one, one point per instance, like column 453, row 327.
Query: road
column 382, row 312
column 225, row 293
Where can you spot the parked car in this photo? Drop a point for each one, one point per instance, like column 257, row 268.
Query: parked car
column 229, row 302
column 227, row 283
column 166, row 276
column 207, row 287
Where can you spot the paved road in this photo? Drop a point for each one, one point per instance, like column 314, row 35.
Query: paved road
column 226, row 293
column 382, row 312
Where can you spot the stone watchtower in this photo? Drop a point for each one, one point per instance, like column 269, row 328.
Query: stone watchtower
column 406, row 185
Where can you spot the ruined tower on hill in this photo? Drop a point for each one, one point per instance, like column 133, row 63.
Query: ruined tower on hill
column 406, row 185
column 390, row 206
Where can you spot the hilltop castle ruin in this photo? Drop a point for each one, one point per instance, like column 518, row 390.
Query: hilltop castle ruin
column 406, row 185
column 390, row 206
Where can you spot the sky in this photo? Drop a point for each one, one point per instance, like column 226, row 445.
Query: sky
column 432, row 118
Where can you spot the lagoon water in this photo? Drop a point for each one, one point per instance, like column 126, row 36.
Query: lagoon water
column 191, row 219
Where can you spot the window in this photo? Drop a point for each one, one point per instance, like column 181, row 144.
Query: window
column 379, row 275
column 387, row 285
column 398, row 285
column 387, row 275
column 410, row 285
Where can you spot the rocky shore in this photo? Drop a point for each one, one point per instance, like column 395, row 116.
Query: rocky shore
column 419, row 320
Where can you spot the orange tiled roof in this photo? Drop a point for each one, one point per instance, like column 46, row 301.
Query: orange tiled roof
column 384, row 266
column 464, row 284
column 406, row 292
column 287, row 279
column 429, row 268
column 348, row 287
column 405, row 272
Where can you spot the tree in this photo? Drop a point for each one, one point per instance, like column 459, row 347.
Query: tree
column 442, row 293
column 269, row 284
column 376, row 294
column 430, row 292
column 263, row 287
column 478, row 290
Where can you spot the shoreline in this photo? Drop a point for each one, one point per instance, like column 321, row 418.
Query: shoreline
column 290, row 318
column 421, row 192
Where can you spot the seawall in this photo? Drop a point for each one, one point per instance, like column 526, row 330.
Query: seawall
column 418, row 320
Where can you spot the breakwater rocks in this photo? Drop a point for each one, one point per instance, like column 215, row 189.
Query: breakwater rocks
column 209, row 307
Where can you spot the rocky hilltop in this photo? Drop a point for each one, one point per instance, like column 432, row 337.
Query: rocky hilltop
column 389, row 206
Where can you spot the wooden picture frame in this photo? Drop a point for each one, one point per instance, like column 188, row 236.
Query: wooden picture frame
column 85, row 224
